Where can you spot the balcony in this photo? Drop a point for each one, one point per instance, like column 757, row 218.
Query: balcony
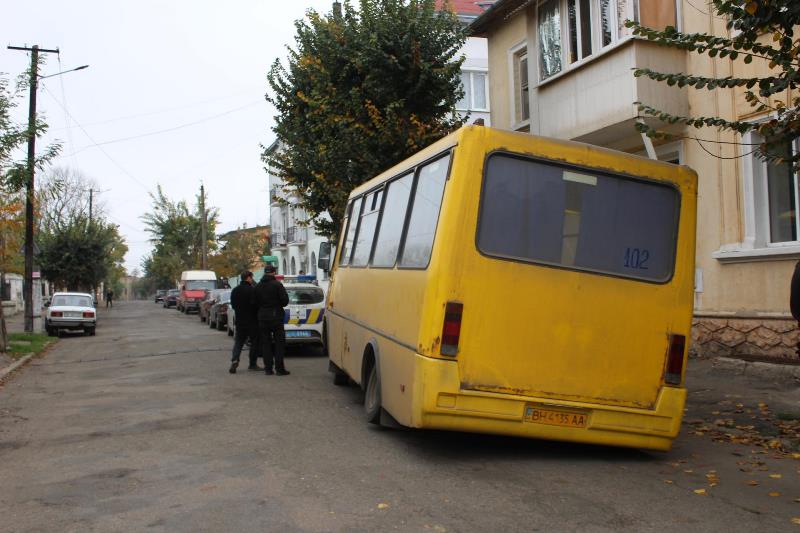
column 593, row 102
column 278, row 240
column 297, row 235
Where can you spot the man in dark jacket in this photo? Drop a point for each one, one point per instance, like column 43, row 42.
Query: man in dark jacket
column 243, row 301
column 271, row 298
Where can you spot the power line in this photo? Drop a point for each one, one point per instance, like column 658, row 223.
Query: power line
column 167, row 130
column 66, row 117
column 120, row 167
column 151, row 113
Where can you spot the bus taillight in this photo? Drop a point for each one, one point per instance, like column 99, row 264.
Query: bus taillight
column 451, row 331
column 677, row 344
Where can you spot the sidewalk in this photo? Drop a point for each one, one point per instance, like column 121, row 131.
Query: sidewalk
column 14, row 324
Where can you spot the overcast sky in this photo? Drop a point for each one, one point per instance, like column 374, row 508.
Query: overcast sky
column 174, row 95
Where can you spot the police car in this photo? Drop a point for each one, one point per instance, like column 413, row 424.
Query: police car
column 302, row 318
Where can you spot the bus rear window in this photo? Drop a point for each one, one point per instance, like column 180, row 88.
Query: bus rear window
column 547, row 213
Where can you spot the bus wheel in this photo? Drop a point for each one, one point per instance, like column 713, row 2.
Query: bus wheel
column 372, row 397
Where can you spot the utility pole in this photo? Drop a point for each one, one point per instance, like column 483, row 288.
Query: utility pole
column 91, row 199
column 203, row 229
column 27, row 288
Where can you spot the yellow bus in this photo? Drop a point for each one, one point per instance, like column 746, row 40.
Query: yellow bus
column 504, row 283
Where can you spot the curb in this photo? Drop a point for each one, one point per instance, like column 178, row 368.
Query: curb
column 15, row 365
column 758, row 369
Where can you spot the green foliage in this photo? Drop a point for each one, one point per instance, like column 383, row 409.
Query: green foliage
column 14, row 173
column 241, row 250
column 363, row 90
column 177, row 239
column 765, row 31
column 81, row 254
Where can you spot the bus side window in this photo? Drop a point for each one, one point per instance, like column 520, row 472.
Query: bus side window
column 352, row 224
column 425, row 213
column 366, row 229
column 394, row 216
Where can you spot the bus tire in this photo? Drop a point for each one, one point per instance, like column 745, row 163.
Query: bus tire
column 372, row 397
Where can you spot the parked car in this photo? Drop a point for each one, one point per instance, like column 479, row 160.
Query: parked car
column 171, row 298
column 70, row 311
column 303, row 316
column 218, row 313
column 160, row 293
column 207, row 302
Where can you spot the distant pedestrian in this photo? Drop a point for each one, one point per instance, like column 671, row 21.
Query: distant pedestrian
column 109, row 298
column 271, row 298
column 243, row 301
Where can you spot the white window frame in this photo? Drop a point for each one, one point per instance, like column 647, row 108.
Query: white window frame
column 469, row 93
column 756, row 245
column 565, row 37
column 515, row 54
column 598, row 48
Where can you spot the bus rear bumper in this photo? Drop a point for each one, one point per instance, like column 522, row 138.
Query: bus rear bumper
column 443, row 404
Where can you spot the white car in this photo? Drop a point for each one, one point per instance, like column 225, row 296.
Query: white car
column 302, row 319
column 72, row 311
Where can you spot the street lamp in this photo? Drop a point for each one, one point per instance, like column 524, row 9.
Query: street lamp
column 27, row 288
column 64, row 72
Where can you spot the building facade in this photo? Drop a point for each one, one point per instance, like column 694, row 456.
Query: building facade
column 292, row 239
column 563, row 68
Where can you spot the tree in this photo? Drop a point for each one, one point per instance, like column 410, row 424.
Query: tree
column 176, row 237
column 363, row 90
column 14, row 173
column 81, row 254
column 241, row 249
column 63, row 195
column 764, row 33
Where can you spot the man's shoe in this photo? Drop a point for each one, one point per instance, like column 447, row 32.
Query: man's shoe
column 269, row 372
column 234, row 365
column 282, row 372
column 254, row 367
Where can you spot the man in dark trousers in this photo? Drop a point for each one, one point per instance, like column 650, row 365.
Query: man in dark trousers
column 243, row 301
column 271, row 298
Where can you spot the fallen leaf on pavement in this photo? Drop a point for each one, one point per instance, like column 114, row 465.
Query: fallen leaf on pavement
column 383, row 506
column 774, row 494
column 796, row 520
column 702, row 492
column 668, row 481
column 752, row 483
column 775, row 476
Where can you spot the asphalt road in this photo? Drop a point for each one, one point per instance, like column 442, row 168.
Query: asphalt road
column 142, row 428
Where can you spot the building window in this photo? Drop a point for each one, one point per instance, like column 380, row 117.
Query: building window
column 475, row 91
column 781, row 197
column 589, row 26
column 549, row 39
column 579, row 18
column 522, row 103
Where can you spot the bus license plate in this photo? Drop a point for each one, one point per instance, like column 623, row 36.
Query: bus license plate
column 298, row 334
column 554, row 417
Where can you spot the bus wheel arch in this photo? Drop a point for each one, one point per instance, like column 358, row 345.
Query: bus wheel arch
column 371, row 383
